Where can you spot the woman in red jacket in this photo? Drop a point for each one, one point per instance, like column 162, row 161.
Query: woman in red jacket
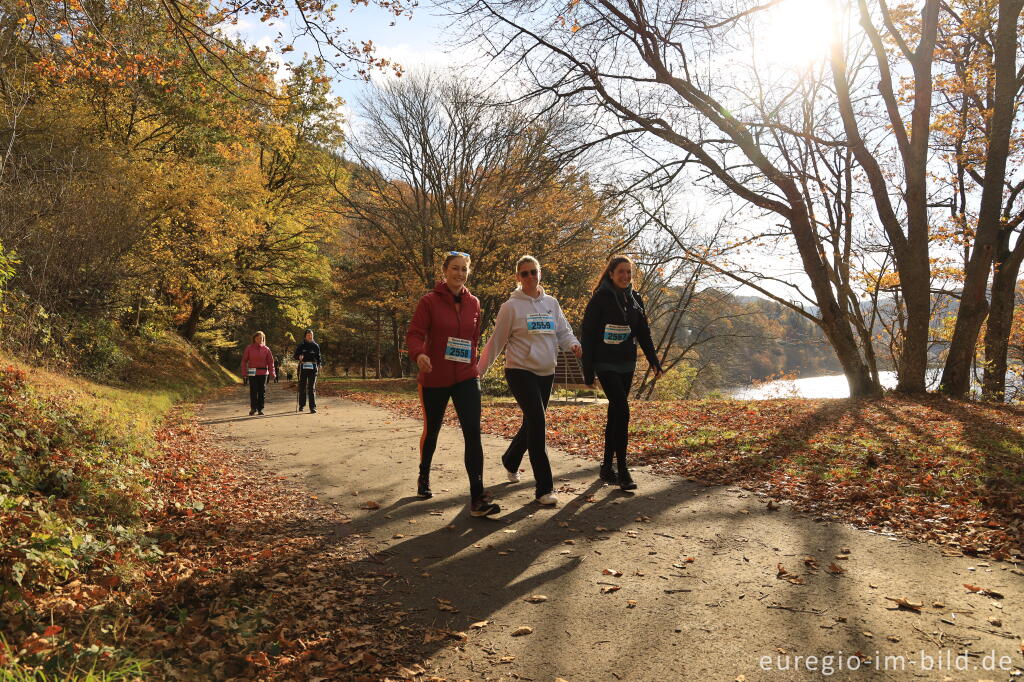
column 442, row 341
column 257, row 367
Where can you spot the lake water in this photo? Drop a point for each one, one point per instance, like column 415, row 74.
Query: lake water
column 835, row 386
column 830, row 386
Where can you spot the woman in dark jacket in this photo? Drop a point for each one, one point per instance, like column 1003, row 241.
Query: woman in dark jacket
column 613, row 323
column 308, row 355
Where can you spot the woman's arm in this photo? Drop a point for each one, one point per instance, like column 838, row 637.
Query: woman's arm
column 566, row 339
column 643, row 335
column 591, row 333
column 495, row 344
column 416, row 337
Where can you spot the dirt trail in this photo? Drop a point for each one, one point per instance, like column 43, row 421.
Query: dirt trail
column 700, row 594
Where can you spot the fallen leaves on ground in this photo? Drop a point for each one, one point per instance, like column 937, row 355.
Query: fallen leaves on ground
column 929, row 468
column 250, row 581
column 984, row 591
column 906, row 604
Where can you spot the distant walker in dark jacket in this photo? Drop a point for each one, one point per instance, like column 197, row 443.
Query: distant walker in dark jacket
column 614, row 321
column 308, row 355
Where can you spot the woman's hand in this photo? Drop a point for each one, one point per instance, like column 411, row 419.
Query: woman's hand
column 577, row 351
column 424, row 363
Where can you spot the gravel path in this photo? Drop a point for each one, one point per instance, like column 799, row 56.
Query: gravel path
column 677, row 582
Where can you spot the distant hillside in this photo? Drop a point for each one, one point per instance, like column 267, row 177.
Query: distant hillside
column 734, row 340
column 738, row 339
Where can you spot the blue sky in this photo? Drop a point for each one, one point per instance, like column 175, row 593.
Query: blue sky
column 415, row 41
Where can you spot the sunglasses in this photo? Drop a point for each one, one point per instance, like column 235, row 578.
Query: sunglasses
column 458, row 253
column 528, row 273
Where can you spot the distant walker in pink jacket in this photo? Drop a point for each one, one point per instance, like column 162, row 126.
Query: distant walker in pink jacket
column 257, row 368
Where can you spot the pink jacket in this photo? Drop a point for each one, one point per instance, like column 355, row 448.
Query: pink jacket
column 260, row 357
column 434, row 321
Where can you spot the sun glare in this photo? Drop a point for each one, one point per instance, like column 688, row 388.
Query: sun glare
column 796, row 32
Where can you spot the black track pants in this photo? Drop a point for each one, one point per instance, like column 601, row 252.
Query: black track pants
column 307, row 388
column 532, row 393
column 466, row 397
column 258, row 391
column 616, row 432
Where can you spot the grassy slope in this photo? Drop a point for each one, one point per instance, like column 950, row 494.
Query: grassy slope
column 74, row 489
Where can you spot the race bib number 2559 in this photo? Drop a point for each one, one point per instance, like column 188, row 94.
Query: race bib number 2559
column 458, row 350
column 540, row 323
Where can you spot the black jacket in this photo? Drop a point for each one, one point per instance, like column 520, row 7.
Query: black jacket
column 613, row 306
column 310, row 352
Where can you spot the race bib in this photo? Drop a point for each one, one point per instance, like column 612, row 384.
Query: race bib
column 251, row 371
column 616, row 333
column 308, row 365
column 458, row 350
column 540, row 323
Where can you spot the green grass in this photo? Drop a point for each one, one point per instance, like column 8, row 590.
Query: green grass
column 74, row 486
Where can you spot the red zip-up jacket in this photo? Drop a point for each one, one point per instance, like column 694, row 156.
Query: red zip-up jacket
column 260, row 357
column 433, row 322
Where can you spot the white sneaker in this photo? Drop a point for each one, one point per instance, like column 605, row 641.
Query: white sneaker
column 513, row 476
column 548, row 499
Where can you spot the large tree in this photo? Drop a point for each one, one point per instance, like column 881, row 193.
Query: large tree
column 831, row 150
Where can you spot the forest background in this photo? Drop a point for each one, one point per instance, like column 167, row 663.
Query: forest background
column 160, row 174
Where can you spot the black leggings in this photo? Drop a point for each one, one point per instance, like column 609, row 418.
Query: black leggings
column 616, row 432
column 258, row 391
column 466, row 397
column 307, row 388
column 532, row 393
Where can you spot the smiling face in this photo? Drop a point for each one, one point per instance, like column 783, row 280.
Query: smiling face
column 456, row 272
column 622, row 275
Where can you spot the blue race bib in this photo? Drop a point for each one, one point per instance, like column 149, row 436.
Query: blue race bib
column 308, row 365
column 540, row 323
column 616, row 333
column 458, row 350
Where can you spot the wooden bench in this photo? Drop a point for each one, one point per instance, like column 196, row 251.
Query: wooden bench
column 569, row 373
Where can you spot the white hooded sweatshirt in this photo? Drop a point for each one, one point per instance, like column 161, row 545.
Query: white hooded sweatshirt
column 533, row 329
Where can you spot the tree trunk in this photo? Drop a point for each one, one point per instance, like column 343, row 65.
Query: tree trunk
column 956, row 375
column 396, row 342
column 187, row 329
column 913, row 363
column 377, row 334
column 1000, row 318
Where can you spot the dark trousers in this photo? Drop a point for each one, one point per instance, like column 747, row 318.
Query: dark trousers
column 466, row 397
column 307, row 388
column 532, row 393
column 616, row 387
column 258, row 391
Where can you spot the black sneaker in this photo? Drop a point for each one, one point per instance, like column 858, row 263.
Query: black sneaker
column 252, row 412
column 625, row 480
column 482, row 506
column 312, row 410
column 259, row 412
column 608, row 474
column 302, row 408
column 423, row 488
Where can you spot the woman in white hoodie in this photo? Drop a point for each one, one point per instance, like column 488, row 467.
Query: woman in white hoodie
column 530, row 328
